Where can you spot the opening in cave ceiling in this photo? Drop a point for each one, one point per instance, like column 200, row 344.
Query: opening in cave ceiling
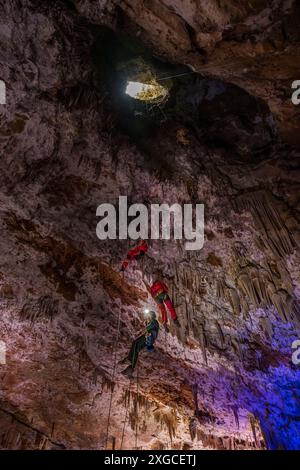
column 145, row 93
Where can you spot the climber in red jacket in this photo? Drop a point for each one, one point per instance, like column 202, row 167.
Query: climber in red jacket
column 159, row 292
column 135, row 253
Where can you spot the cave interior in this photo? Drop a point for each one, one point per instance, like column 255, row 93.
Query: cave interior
column 221, row 131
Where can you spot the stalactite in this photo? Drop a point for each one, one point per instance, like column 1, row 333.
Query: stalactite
column 226, row 442
column 252, row 421
column 203, row 342
column 244, row 282
column 193, row 423
column 264, row 285
column 234, row 300
column 236, row 416
column 276, row 300
column 36, row 308
column 270, row 284
column 258, row 286
column 107, row 384
column 221, row 289
column 168, row 418
column 138, row 406
column 187, row 315
column 187, row 279
column 195, row 395
column 267, row 327
column 237, row 347
column 92, row 164
column 221, row 334
column 274, row 234
column 296, row 311
column 229, row 294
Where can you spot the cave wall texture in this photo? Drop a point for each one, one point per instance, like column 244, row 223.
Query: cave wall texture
column 228, row 137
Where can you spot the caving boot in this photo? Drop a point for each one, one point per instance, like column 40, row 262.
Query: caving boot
column 128, row 372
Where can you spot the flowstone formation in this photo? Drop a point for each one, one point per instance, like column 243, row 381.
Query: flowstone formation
column 225, row 135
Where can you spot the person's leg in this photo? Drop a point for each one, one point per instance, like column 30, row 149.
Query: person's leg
column 136, row 347
column 163, row 311
column 168, row 303
column 150, row 341
column 159, row 299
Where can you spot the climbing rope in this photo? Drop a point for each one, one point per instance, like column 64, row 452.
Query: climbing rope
column 137, row 405
column 174, row 76
column 217, row 67
column 128, row 402
column 126, row 411
column 112, row 378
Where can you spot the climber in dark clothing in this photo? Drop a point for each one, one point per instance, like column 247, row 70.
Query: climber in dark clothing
column 146, row 340
column 135, row 253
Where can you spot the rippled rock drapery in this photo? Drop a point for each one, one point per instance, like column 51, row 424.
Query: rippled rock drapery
column 224, row 379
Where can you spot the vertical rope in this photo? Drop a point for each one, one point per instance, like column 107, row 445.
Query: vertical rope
column 112, row 378
column 126, row 411
column 137, row 405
